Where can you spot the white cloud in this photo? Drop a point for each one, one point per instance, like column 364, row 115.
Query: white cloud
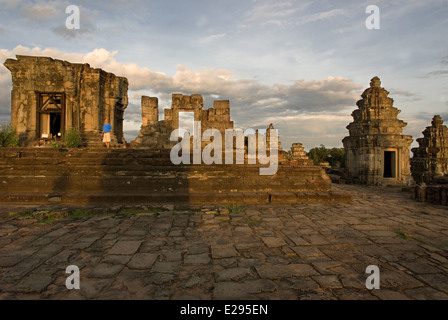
column 43, row 10
column 409, row 96
column 278, row 12
column 320, row 95
column 212, row 38
column 36, row 51
column 288, row 13
column 321, row 16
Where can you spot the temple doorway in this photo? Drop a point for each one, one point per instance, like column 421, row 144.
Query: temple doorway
column 51, row 111
column 390, row 161
column 118, row 124
column 55, row 124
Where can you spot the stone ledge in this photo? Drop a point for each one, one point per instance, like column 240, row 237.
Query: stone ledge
column 179, row 198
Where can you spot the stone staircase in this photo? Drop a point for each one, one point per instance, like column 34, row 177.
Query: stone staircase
column 138, row 176
column 94, row 140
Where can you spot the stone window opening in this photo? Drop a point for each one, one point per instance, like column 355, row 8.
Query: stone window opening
column 186, row 123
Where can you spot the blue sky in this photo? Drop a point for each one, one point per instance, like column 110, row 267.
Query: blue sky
column 300, row 65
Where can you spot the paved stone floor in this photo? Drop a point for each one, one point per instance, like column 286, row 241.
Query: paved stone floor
column 271, row 252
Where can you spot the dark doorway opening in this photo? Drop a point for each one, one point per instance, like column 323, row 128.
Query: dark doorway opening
column 389, row 164
column 118, row 124
column 50, row 115
column 55, row 124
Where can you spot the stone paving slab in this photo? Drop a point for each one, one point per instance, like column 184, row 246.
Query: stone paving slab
column 309, row 251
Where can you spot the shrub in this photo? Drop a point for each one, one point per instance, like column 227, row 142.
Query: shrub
column 72, row 138
column 8, row 136
column 55, row 144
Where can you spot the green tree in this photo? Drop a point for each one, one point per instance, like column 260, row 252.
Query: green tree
column 317, row 154
column 334, row 156
column 8, row 136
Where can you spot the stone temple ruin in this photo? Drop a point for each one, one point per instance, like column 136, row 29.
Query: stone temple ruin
column 297, row 155
column 155, row 133
column 430, row 159
column 50, row 96
column 429, row 164
column 377, row 152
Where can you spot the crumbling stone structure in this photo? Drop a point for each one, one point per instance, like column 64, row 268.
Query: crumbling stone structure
column 430, row 159
column 50, row 96
column 155, row 133
column 435, row 193
column 298, row 156
column 377, row 152
column 429, row 164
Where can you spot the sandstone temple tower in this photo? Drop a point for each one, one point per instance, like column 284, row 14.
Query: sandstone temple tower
column 50, row 96
column 430, row 159
column 376, row 151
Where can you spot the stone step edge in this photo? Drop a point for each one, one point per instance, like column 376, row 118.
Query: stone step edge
column 192, row 198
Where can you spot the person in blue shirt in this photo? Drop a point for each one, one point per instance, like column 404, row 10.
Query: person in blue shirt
column 107, row 128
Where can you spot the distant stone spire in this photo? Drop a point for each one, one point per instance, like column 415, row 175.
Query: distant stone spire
column 298, row 152
column 431, row 157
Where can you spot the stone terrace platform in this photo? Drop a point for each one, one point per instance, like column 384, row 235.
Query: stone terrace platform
column 141, row 176
column 269, row 251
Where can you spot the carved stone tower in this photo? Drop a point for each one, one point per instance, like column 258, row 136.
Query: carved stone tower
column 430, row 159
column 377, row 152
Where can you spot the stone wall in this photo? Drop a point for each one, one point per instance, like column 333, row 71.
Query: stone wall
column 88, row 96
column 145, row 176
column 377, row 152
